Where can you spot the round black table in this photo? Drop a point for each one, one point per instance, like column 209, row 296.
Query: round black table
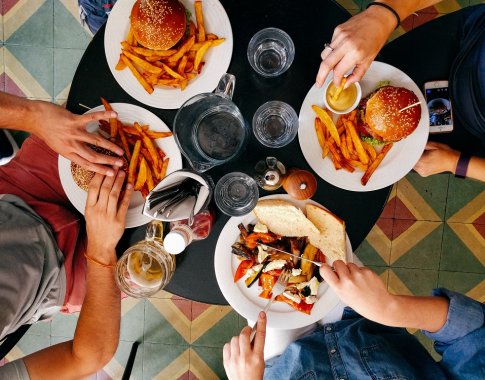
column 310, row 23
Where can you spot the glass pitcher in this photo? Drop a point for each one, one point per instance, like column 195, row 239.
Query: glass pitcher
column 146, row 267
column 209, row 128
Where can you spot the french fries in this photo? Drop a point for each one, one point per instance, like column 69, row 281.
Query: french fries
column 169, row 68
column 342, row 143
column 148, row 163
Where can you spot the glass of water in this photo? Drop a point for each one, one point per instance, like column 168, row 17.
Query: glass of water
column 275, row 124
column 236, row 194
column 271, row 52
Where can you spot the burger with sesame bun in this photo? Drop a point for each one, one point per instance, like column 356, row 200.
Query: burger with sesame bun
column 158, row 24
column 83, row 177
column 380, row 119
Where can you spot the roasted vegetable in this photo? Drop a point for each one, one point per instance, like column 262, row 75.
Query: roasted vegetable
column 306, row 266
column 242, row 269
column 243, row 230
column 258, row 237
column 254, row 277
column 240, row 250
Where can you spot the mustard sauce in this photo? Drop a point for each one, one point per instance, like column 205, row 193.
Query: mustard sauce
column 345, row 100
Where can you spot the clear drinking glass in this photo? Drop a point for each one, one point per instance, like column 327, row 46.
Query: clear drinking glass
column 275, row 124
column 236, row 194
column 146, row 267
column 271, row 52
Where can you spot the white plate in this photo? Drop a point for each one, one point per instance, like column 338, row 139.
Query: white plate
column 217, row 59
column 127, row 113
column 245, row 300
column 400, row 159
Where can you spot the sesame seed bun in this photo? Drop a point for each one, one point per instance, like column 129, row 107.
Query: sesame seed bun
column 83, row 177
column 158, row 24
column 380, row 117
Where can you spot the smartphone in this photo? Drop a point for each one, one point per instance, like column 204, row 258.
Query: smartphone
column 439, row 106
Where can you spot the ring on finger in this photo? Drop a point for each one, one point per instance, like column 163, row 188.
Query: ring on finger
column 327, row 46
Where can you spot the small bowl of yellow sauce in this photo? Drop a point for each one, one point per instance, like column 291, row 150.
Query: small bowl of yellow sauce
column 346, row 101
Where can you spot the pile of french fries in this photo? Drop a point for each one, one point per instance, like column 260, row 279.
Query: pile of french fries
column 174, row 67
column 342, row 142
column 147, row 162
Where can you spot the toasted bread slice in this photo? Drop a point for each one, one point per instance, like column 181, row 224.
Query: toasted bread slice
column 283, row 218
column 331, row 237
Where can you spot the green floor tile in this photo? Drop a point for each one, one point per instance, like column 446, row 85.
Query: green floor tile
column 37, row 30
column 369, row 256
column 40, row 328
column 221, row 333
column 456, row 256
column 132, row 321
column 420, row 282
column 433, row 189
column 425, row 254
column 64, row 325
column 39, row 62
column 68, row 32
column 33, row 343
column 460, row 193
column 121, row 356
column 459, row 281
column 213, row 358
column 65, row 65
column 157, row 356
column 157, row 329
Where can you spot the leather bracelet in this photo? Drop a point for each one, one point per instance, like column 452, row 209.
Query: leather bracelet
column 389, row 8
column 462, row 165
column 94, row 261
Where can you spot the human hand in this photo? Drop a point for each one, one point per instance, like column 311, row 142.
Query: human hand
column 361, row 289
column 65, row 133
column 355, row 44
column 106, row 214
column 241, row 361
column 437, row 158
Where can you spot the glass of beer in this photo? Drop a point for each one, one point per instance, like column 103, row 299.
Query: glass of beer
column 146, row 267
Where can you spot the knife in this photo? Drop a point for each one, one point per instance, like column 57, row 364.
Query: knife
column 266, row 247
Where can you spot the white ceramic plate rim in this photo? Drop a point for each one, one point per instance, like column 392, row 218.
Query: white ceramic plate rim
column 400, row 159
column 217, row 59
column 127, row 113
column 246, row 301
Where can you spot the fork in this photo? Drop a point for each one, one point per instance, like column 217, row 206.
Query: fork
column 278, row 288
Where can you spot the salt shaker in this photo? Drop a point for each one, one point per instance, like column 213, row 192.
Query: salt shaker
column 269, row 173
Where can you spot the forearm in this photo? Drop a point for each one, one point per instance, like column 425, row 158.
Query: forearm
column 406, row 8
column 17, row 113
column 424, row 313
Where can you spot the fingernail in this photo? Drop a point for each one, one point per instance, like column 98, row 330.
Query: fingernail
column 262, row 315
column 119, row 163
column 129, row 186
column 110, row 173
column 121, row 173
column 113, row 115
column 120, row 152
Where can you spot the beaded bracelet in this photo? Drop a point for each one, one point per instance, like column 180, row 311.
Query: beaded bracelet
column 388, row 7
column 94, row 261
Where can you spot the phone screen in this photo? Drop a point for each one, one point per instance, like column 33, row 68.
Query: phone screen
column 439, row 106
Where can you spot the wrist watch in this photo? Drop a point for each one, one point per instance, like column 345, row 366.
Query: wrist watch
column 462, row 165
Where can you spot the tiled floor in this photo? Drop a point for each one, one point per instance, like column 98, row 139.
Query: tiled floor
column 432, row 232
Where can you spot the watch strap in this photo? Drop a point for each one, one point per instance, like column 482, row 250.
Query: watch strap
column 462, row 165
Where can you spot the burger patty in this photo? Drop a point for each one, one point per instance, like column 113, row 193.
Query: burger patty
column 83, row 177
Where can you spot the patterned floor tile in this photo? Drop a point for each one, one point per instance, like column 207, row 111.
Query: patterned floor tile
column 206, row 363
column 132, row 319
column 2, row 69
column 416, row 244
column 205, row 317
column 466, row 200
column 163, row 362
column 116, row 367
column 29, row 23
column 29, row 71
column 406, row 281
column 63, row 325
column 65, row 64
column 167, row 321
column 471, row 284
column 40, row 328
column 463, row 249
column 68, row 32
column 220, row 333
column 376, row 248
